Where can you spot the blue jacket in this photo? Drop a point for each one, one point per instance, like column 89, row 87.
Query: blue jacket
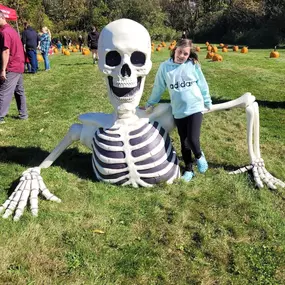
column 188, row 89
column 30, row 38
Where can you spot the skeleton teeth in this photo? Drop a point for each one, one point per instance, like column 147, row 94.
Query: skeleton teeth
column 124, row 92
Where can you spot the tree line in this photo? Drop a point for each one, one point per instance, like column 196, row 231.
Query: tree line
column 257, row 23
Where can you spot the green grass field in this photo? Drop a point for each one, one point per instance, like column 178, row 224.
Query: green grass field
column 218, row 229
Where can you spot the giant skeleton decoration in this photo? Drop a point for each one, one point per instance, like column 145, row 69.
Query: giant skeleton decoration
column 130, row 146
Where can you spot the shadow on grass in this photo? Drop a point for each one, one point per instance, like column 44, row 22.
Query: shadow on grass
column 71, row 159
column 261, row 103
column 227, row 167
column 77, row 63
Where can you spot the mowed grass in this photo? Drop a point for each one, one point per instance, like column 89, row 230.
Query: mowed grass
column 218, row 229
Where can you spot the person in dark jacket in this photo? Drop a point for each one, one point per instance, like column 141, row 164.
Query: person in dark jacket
column 92, row 40
column 30, row 40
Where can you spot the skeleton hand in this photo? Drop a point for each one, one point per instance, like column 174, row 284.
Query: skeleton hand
column 261, row 175
column 30, row 186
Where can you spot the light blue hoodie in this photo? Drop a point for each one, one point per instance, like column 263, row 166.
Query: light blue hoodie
column 189, row 91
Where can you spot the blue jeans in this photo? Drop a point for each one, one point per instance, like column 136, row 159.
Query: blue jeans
column 32, row 56
column 46, row 60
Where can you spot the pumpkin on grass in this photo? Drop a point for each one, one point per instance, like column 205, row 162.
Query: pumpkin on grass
column 86, row 51
column 235, row 48
column 210, row 55
column 40, row 58
column 217, row 57
column 197, row 49
column 214, row 49
column 274, row 53
column 224, row 49
column 244, row 50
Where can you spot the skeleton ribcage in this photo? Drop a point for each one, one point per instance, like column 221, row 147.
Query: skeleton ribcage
column 139, row 156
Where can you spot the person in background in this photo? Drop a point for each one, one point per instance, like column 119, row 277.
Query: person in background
column 28, row 66
column 44, row 46
column 64, row 42
column 189, row 94
column 80, row 42
column 30, row 40
column 59, row 45
column 12, row 68
column 92, row 40
column 69, row 42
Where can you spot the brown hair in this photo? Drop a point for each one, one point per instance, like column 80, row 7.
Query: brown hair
column 186, row 43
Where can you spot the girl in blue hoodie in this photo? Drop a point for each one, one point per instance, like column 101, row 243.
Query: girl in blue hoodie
column 189, row 95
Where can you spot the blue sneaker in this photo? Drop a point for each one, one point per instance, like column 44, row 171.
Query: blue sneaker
column 187, row 176
column 202, row 163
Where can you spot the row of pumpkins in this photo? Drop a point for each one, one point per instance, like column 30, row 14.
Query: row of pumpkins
column 213, row 49
column 163, row 45
column 84, row 51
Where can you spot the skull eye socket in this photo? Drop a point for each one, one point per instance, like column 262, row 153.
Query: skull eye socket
column 113, row 58
column 138, row 58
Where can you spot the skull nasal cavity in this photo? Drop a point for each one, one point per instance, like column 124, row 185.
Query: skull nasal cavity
column 126, row 71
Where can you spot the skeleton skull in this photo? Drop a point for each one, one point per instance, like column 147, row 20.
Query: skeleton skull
column 124, row 51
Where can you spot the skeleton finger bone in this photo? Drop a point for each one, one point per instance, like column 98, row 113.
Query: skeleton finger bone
column 23, row 200
column 46, row 193
column 15, row 200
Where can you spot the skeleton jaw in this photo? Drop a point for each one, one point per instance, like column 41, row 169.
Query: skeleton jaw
column 123, row 92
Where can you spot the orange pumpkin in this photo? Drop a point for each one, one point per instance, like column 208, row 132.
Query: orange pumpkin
column 85, row 51
column 40, row 58
column 158, row 48
column 244, row 50
column 198, row 49
column 224, row 49
column 209, row 55
column 214, row 49
column 217, row 57
column 207, row 43
column 221, row 45
column 209, row 48
column 274, row 53
column 74, row 50
column 235, row 48
column 66, row 52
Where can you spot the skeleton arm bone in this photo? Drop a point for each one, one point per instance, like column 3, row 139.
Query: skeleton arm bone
column 31, row 183
column 260, row 174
